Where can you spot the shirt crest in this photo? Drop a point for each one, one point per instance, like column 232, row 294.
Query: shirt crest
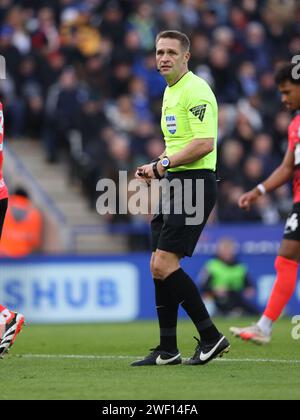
column 171, row 123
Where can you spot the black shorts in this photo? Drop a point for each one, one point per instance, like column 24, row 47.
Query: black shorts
column 292, row 226
column 172, row 232
column 3, row 208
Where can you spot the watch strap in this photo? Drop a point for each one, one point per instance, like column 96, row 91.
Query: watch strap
column 155, row 171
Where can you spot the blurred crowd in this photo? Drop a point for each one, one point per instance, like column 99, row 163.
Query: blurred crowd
column 82, row 78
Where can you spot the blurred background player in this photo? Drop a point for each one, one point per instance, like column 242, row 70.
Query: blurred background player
column 226, row 284
column 10, row 322
column 286, row 263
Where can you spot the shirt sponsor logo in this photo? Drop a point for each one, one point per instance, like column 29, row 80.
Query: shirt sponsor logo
column 199, row 111
column 171, row 123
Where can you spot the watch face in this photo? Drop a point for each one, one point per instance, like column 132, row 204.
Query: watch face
column 165, row 162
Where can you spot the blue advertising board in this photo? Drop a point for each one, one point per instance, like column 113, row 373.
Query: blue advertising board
column 106, row 289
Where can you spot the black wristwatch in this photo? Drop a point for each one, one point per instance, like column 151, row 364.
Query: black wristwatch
column 165, row 162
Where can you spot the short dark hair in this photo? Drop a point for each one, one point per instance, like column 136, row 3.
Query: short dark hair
column 182, row 38
column 286, row 74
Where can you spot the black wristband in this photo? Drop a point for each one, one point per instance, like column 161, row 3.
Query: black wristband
column 155, row 171
column 155, row 160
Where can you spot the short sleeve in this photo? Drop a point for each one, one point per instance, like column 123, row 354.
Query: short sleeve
column 201, row 116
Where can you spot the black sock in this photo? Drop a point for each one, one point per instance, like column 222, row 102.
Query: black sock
column 185, row 292
column 167, row 312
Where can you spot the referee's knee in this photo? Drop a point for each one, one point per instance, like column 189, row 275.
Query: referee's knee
column 158, row 274
column 163, row 265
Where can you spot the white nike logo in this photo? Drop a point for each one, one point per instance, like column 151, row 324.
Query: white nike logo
column 206, row 356
column 160, row 361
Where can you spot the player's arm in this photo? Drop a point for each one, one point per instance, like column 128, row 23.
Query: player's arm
column 195, row 150
column 280, row 176
column 162, row 155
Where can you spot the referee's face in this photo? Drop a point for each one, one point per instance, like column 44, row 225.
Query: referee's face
column 171, row 59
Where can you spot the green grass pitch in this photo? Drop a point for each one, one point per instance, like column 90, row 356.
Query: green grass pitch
column 92, row 362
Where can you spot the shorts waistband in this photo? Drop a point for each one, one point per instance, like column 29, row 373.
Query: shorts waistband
column 192, row 173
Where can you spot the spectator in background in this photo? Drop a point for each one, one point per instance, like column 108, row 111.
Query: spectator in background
column 121, row 114
column 16, row 18
column 51, row 68
column 279, row 131
column 268, row 213
column 200, row 45
column 226, row 283
column 227, row 119
column 248, row 79
column 140, row 99
column 120, row 78
column 63, row 109
column 228, row 210
column 144, row 23
column 113, row 24
column 169, row 16
column 224, row 36
column 190, row 14
column 22, row 231
column 9, row 50
column 244, row 132
column 257, row 47
column 226, row 88
column 253, row 172
column 144, row 131
column 268, row 94
column 232, row 157
column 122, row 160
column 132, row 48
column 46, row 37
column 95, row 75
column 263, row 150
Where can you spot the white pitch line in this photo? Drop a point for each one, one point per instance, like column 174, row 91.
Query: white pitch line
column 111, row 357
column 290, row 362
column 73, row 356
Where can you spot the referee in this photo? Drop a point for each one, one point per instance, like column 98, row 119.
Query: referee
column 189, row 123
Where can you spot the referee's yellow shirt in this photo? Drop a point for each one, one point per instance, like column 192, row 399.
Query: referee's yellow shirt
column 190, row 111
